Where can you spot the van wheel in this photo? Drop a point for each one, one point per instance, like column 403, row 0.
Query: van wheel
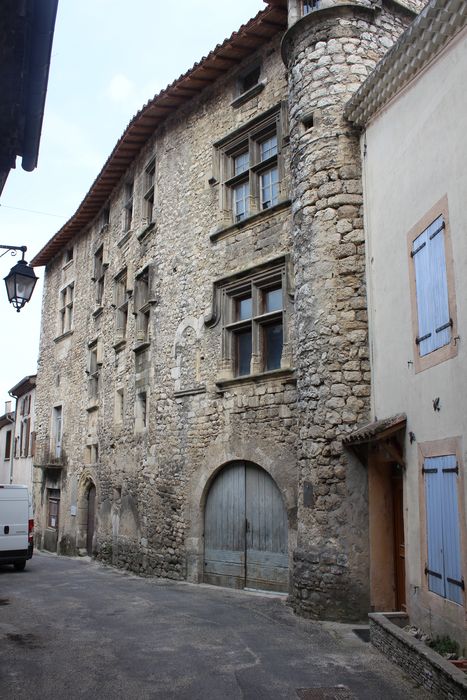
column 19, row 565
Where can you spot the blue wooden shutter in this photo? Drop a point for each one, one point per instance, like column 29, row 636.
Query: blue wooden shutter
column 451, row 529
column 434, row 525
column 439, row 284
column 428, row 252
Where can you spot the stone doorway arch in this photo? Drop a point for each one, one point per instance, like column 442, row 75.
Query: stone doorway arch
column 245, row 530
column 87, row 516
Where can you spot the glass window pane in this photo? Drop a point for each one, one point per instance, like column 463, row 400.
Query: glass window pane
column 241, row 163
column 269, row 188
column 241, row 194
column 273, row 300
column 243, row 350
column 244, row 308
column 273, row 342
column 268, row 147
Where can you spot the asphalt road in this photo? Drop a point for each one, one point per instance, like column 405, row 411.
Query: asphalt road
column 72, row 628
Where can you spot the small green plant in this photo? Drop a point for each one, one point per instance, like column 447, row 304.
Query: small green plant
column 445, row 646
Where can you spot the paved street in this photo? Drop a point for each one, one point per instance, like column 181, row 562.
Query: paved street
column 72, row 628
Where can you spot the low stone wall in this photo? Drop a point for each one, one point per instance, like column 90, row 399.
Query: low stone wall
column 424, row 665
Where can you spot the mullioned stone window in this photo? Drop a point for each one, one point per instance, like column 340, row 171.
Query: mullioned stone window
column 142, row 306
column 65, row 310
column 121, row 305
column 149, row 176
column 249, row 166
column 254, row 307
column 128, row 207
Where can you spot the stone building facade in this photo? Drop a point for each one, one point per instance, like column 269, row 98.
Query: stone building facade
column 204, row 349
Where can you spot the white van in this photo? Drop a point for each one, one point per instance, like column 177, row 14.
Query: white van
column 16, row 525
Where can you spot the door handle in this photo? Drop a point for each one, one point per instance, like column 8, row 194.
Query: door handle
column 6, row 529
column 247, row 525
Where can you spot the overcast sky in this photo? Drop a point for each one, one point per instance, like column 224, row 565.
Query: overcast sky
column 109, row 57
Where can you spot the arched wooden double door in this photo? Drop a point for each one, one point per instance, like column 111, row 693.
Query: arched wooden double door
column 245, row 530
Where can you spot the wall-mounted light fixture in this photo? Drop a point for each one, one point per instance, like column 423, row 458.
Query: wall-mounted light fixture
column 21, row 279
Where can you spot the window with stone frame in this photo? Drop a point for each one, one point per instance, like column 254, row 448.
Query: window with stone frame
column 141, row 416
column 65, row 309
column 148, row 196
column 68, row 256
column 53, row 508
column 251, row 167
column 119, row 411
column 57, row 431
column 142, row 306
column 99, row 275
column 249, row 79
column 94, row 363
column 121, row 304
column 128, row 207
column 254, row 327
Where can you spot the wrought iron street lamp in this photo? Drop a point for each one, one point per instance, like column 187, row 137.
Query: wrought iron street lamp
column 21, row 279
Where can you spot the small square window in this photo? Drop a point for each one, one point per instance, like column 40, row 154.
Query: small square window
column 68, row 257
column 250, row 79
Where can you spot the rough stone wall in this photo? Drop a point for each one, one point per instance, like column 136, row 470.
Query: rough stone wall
column 151, row 481
column 329, row 53
column 425, row 666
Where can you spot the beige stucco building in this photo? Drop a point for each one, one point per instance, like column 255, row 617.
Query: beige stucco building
column 413, row 113
column 205, row 349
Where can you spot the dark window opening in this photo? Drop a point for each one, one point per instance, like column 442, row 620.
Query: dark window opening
column 273, row 343
column 249, row 80
column 244, row 346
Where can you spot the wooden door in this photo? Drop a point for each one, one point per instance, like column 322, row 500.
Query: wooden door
column 399, row 540
column 245, row 530
column 91, row 518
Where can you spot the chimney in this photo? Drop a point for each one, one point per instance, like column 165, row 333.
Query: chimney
column 7, row 406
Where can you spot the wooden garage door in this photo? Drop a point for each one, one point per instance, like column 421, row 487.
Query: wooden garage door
column 245, row 532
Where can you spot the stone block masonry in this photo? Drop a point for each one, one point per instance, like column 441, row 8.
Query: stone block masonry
column 328, row 54
column 144, row 385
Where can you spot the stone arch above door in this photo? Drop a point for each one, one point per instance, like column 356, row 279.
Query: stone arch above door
column 277, row 460
column 87, row 513
column 245, row 530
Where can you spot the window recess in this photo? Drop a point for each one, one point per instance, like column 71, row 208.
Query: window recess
column 121, row 294
column 254, row 309
column 148, row 196
column 250, row 167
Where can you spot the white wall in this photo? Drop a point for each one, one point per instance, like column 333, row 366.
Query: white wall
column 416, row 153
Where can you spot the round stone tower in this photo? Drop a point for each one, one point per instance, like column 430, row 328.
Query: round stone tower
column 329, row 49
